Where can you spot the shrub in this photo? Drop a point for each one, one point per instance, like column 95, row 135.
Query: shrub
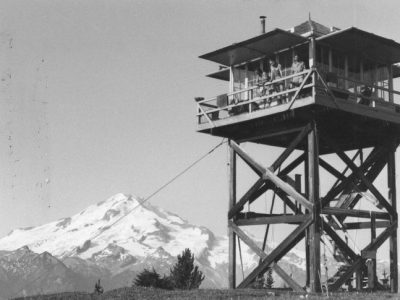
column 185, row 275
column 147, row 278
column 152, row 279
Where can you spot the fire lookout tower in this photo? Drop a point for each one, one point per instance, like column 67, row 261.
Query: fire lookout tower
column 320, row 93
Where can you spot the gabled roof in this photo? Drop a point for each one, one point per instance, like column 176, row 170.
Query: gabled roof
column 311, row 26
column 262, row 45
column 363, row 43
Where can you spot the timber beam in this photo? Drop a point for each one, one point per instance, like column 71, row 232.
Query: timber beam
column 284, row 219
column 350, row 254
column 253, row 246
column 364, row 225
column 359, row 263
column 336, row 190
column 311, row 214
column 358, row 173
column 355, row 213
column 277, row 253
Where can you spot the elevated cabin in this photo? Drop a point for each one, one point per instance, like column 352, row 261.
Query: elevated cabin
column 347, row 84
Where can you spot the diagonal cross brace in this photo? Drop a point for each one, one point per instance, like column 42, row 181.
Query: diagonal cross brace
column 300, row 88
column 278, row 252
column 339, row 242
column 359, row 174
column 376, row 243
column 255, row 166
column 285, row 154
column 347, row 275
column 288, row 189
column 371, row 175
column 373, row 246
column 253, row 246
column 289, row 280
column 339, row 188
column 268, row 175
column 246, row 197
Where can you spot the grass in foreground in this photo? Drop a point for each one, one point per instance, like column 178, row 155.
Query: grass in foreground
column 238, row 294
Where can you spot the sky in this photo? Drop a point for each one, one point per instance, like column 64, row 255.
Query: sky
column 97, row 98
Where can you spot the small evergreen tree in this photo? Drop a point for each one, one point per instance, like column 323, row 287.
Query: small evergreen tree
column 98, row 289
column 148, row 278
column 185, row 275
column 259, row 282
column 152, row 279
column 269, row 282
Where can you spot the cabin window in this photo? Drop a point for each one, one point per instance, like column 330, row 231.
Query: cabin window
column 252, row 71
column 382, row 80
column 322, row 53
column 354, row 68
column 353, row 73
column 338, row 67
column 239, row 81
column 368, row 72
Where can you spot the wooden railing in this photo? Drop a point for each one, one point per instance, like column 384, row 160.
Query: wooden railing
column 256, row 97
column 379, row 94
column 265, row 95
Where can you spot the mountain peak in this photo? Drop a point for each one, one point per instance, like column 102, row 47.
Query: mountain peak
column 120, row 220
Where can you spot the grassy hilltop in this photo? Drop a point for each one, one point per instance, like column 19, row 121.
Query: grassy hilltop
column 239, row 294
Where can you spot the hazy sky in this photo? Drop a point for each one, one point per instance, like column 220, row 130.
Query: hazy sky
column 97, row 98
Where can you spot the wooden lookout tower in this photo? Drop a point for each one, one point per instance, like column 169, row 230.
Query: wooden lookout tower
column 335, row 114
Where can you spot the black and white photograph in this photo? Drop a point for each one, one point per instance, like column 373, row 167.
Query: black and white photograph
column 181, row 149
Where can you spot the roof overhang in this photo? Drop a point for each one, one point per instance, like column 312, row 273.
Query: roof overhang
column 221, row 74
column 263, row 45
column 360, row 42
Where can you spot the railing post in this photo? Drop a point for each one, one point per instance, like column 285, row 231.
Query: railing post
column 232, row 202
column 312, row 60
column 390, row 69
column 346, row 71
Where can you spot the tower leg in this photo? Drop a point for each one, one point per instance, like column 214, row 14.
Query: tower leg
column 307, row 234
column 231, row 233
column 393, row 237
column 315, row 228
column 371, row 262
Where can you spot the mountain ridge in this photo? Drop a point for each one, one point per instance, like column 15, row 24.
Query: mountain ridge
column 114, row 240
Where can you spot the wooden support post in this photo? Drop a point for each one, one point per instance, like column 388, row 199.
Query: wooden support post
column 231, row 233
column 231, row 80
column 390, row 82
column 346, row 71
column 246, row 83
column 361, row 70
column 297, row 179
column 330, row 64
column 315, row 227
column 312, row 62
column 371, row 262
column 359, row 280
column 393, row 237
column 297, row 186
column 307, row 231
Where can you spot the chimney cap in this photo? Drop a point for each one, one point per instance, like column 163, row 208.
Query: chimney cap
column 263, row 17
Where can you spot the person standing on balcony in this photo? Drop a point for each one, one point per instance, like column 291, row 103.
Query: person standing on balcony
column 275, row 73
column 297, row 67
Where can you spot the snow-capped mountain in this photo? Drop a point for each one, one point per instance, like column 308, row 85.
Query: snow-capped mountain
column 114, row 241
column 95, row 232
